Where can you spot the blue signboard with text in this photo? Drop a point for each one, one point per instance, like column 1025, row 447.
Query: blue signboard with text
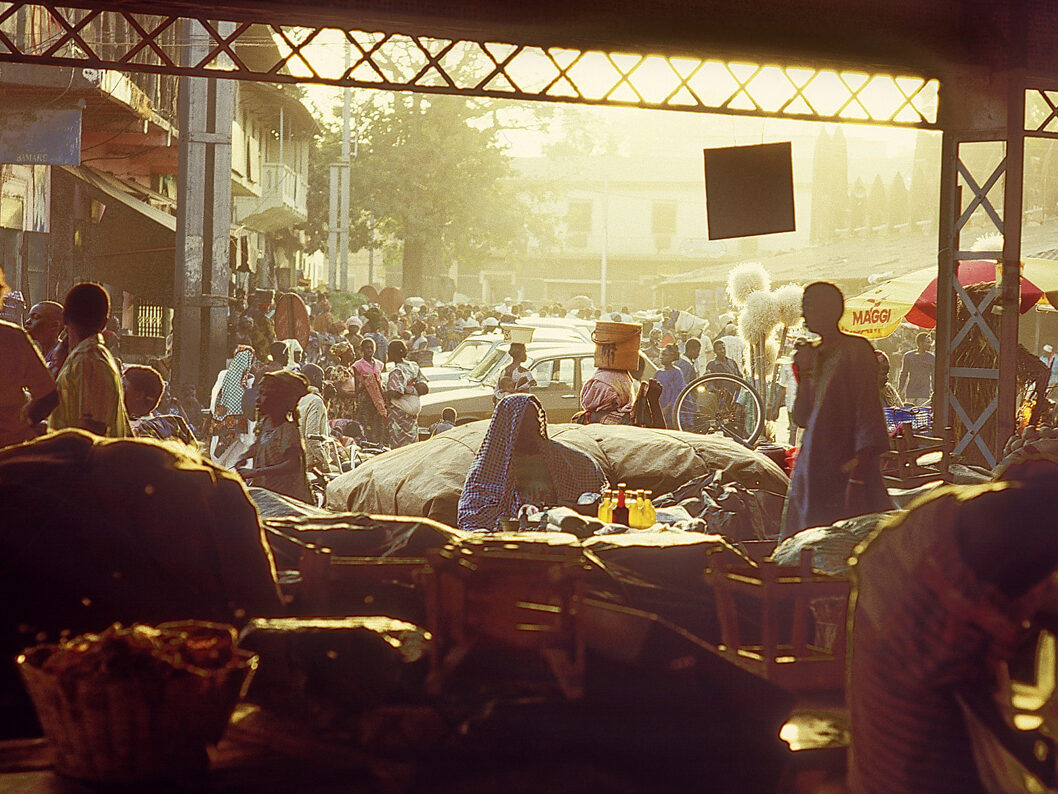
column 40, row 136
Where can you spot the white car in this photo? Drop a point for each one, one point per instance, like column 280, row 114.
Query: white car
column 476, row 348
column 559, row 371
column 577, row 327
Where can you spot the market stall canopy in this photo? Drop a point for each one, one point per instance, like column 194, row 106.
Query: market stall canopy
column 912, row 297
column 425, row 479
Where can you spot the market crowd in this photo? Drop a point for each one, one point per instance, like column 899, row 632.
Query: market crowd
column 928, row 576
column 356, row 382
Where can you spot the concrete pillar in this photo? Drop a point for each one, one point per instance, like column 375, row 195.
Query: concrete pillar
column 202, row 268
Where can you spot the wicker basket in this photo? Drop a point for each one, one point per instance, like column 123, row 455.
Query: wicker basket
column 113, row 727
column 617, row 345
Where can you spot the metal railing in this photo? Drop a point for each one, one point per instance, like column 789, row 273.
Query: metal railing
column 434, row 65
column 150, row 320
column 43, row 34
column 282, row 182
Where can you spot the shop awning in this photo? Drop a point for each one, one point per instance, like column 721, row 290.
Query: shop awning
column 130, row 243
column 124, row 192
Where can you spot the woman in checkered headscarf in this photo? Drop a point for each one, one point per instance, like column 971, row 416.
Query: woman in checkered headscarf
column 229, row 419
column 518, row 464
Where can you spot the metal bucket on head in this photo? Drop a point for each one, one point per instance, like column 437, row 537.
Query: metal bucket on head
column 617, row 345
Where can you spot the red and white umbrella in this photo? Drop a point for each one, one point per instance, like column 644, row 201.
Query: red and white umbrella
column 912, row 297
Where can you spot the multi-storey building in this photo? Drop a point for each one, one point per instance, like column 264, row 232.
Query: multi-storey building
column 110, row 214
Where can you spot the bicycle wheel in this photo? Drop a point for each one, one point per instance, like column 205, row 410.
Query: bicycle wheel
column 720, row 403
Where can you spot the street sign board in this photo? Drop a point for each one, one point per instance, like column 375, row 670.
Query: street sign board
column 40, row 136
column 749, row 190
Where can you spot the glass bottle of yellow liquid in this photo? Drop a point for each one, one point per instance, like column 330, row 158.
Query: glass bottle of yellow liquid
column 639, row 511
column 605, row 506
column 633, row 514
column 650, row 515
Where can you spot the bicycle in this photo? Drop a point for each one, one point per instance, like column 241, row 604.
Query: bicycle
column 722, row 403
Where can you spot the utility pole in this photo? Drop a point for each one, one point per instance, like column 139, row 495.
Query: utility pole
column 343, row 228
column 605, row 234
column 332, row 233
column 371, row 252
column 202, row 270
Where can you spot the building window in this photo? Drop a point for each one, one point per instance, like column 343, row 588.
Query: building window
column 578, row 223
column 663, row 224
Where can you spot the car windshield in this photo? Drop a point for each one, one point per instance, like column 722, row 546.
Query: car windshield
column 469, row 353
column 488, row 370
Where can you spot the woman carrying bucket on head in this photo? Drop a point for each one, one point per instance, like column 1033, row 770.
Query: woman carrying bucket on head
column 609, row 396
column 515, row 377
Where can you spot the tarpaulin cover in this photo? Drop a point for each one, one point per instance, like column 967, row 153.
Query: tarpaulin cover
column 832, row 546
column 362, row 535
column 736, row 512
column 100, row 530
column 426, row 478
column 311, row 658
column 276, row 505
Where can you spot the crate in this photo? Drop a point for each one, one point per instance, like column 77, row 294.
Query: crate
column 799, row 616
column 518, row 594
column 919, row 418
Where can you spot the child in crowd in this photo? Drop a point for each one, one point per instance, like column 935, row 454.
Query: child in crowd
column 671, row 380
column 448, row 421
column 504, row 386
column 278, row 453
column 371, row 407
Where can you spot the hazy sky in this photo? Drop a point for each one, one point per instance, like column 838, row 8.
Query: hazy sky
column 674, row 129
column 698, row 130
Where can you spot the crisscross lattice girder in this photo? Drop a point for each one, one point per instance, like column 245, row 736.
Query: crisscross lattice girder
column 119, row 39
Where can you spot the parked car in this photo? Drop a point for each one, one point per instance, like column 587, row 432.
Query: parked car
column 560, row 372
column 476, row 348
column 578, row 327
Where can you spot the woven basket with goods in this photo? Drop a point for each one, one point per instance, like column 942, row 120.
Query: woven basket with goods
column 137, row 704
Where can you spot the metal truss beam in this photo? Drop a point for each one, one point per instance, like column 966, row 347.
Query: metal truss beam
column 124, row 40
column 1032, row 112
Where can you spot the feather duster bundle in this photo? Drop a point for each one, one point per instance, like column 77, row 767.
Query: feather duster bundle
column 988, row 242
column 771, row 353
column 759, row 316
column 746, row 279
column 789, row 299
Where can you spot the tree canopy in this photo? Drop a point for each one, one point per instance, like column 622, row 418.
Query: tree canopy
column 431, row 175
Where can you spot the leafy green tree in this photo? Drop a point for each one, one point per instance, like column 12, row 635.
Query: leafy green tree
column 429, row 173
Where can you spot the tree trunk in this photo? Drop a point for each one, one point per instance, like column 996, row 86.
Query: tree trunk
column 413, row 263
column 422, row 263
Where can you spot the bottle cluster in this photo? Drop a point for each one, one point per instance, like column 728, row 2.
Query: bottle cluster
column 632, row 508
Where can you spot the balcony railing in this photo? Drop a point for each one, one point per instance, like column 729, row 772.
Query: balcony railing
column 33, row 29
column 283, row 184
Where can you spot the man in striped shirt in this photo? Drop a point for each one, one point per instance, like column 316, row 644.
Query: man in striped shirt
column 89, row 384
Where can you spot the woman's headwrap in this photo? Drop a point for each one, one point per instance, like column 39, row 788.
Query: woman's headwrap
column 235, row 381
column 490, row 491
column 289, row 387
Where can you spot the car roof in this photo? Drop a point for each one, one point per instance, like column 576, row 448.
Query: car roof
column 547, row 348
column 555, row 322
